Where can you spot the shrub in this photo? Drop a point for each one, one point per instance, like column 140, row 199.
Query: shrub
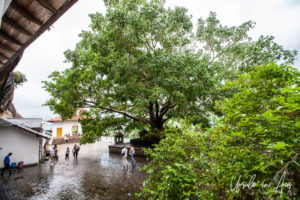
column 251, row 153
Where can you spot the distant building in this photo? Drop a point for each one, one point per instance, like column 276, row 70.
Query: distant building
column 25, row 143
column 69, row 127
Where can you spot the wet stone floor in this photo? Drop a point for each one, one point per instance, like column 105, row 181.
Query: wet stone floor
column 95, row 175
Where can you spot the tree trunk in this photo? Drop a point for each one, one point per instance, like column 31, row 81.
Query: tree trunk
column 157, row 123
column 156, row 117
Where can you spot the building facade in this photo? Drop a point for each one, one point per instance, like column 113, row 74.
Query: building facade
column 65, row 128
column 25, row 143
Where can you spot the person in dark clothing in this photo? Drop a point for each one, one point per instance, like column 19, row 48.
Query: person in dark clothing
column 75, row 150
column 55, row 156
column 67, row 154
column 6, row 164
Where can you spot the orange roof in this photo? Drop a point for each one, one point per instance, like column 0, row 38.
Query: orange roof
column 75, row 118
column 58, row 119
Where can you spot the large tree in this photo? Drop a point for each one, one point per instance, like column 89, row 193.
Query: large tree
column 140, row 66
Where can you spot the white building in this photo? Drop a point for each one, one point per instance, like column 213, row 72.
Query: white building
column 70, row 127
column 24, row 142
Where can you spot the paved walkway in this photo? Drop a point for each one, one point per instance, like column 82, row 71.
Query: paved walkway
column 95, row 175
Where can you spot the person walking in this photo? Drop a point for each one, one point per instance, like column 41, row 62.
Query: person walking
column 52, row 156
column 45, row 146
column 67, row 153
column 55, row 146
column 6, row 164
column 75, row 150
column 66, row 138
column 124, row 155
column 55, row 155
column 131, row 153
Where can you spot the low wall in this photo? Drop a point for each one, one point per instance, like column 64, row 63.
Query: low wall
column 61, row 140
column 117, row 148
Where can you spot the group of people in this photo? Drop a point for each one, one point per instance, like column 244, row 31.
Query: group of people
column 124, row 153
column 75, row 151
column 54, row 152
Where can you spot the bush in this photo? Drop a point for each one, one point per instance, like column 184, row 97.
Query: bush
column 251, row 153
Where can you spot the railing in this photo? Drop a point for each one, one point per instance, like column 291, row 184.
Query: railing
column 61, row 140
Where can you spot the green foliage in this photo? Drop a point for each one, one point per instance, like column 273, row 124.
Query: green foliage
column 138, row 67
column 230, row 49
column 174, row 168
column 19, row 79
column 258, row 138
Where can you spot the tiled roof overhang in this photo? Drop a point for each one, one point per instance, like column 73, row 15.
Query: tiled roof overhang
column 22, row 23
column 6, row 123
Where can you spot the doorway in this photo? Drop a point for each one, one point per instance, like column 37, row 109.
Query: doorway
column 59, row 132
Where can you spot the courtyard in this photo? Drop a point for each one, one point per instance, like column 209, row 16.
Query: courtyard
column 96, row 174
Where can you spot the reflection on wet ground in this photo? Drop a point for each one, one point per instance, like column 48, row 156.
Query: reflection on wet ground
column 95, row 175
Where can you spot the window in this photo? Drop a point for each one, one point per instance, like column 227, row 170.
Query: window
column 74, row 130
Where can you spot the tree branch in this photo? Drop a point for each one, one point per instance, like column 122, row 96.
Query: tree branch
column 165, row 109
column 164, row 120
column 150, row 108
column 117, row 111
column 148, row 44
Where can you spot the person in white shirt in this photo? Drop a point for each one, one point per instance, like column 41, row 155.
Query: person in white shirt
column 66, row 138
column 124, row 155
column 52, row 155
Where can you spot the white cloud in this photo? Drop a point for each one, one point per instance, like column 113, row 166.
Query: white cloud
column 273, row 17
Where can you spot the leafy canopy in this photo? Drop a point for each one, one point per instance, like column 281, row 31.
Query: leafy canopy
column 19, row 79
column 139, row 67
column 258, row 137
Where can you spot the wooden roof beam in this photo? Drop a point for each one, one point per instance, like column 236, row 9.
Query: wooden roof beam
column 15, row 26
column 47, row 5
column 23, row 11
column 7, row 48
column 9, row 65
column 3, row 57
column 9, row 38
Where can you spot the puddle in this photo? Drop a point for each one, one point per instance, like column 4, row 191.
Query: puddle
column 95, row 175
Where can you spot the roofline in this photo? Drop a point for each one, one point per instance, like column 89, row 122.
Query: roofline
column 25, row 118
column 62, row 120
column 24, row 128
column 41, row 30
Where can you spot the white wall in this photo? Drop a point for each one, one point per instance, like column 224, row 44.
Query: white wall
column 23, row 145
column 66, row 127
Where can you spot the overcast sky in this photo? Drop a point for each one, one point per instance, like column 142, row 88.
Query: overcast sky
column 279, row 18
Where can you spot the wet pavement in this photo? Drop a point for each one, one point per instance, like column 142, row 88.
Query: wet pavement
column 95, row 175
